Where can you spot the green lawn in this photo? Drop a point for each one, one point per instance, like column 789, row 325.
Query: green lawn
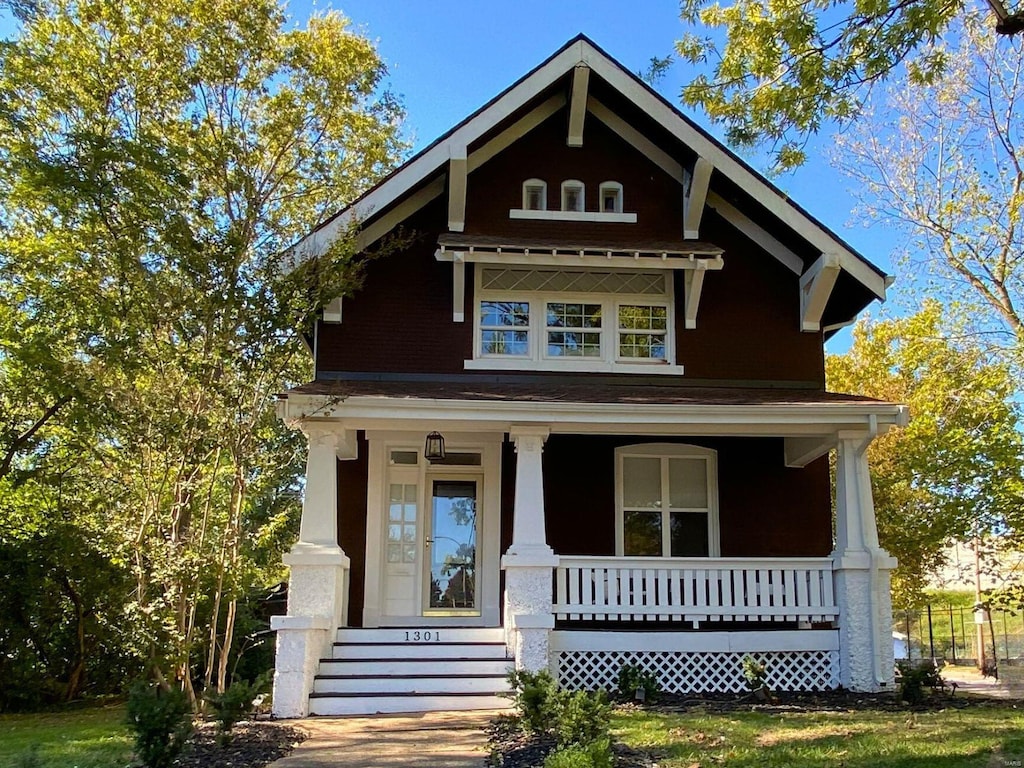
column 82, row 738
column 953, row 738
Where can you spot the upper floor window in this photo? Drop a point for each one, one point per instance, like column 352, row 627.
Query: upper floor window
column 611, row 197
column 535, row 195
column 547, row 318
column 666, row 501
column 572, row 195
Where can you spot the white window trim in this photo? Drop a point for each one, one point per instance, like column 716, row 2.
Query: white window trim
column 577, row 184
column 669, row 451
column 538, row 359
column 607, row 218
column 609, row 186
column 543, row 194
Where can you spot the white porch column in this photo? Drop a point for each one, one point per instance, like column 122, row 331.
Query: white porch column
column 317, row 585
column 861, row 571
column 529, row 561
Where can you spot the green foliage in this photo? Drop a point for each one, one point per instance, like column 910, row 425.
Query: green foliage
column 162, row 722
column 632, row 678
column 756, row 674
column 579, row 717
column 786, row 69
column 912, row 677
column 532, row 694
column 235, row 704
column 156, row 159
column 29, row 758
column 956, row 470
column 596, row 754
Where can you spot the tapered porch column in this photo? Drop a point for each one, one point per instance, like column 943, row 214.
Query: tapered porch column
column 318, row 584
column 861, row 568
column 529, row 561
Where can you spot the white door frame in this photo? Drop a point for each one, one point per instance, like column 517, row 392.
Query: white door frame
column 380, row 444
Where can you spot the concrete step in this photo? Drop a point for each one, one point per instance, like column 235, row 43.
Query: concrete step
column 438, row 651
column 425, row 635
column 493, row 666
column 403, row 684
column 363, row 704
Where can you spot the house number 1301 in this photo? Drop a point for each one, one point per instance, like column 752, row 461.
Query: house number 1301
column 422, row 637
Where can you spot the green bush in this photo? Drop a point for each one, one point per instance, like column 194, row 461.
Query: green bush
column 912, row 677
column 234, row 705
column 531, row 694
column 161, row 721
column 756, row 674
column 632, row 679
column 579, row 717
column 596, row 754
column 29, row 758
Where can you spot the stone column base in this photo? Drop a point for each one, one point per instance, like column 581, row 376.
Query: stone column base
column 865, row 620
column 528, row 616
column 300, row 644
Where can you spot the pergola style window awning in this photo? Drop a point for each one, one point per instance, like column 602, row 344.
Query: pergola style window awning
column 580, row 256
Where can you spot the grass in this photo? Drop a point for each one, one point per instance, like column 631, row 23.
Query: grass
column 961, row 738
column 79, row 738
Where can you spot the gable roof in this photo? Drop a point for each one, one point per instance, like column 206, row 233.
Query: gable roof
column 420, row 174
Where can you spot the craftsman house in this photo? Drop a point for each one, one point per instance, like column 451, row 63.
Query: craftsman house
column 580, row 421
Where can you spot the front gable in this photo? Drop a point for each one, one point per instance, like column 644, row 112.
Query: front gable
column 751, row 283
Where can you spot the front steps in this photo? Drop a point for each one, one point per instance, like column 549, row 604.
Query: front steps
column 412, row 670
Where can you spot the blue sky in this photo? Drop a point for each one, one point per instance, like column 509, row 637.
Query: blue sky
column 448, row 57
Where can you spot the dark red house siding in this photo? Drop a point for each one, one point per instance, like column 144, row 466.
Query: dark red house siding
column 765, row 508
column 352, row 482
column 400, row 321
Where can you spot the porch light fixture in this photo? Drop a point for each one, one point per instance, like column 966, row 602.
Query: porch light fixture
column 434, row 449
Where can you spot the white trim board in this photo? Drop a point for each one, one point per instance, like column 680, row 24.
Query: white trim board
column 576, row 52
column 737, row 642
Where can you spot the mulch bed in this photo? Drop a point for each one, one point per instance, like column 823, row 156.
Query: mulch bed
column 253, row 744
column 511, row 747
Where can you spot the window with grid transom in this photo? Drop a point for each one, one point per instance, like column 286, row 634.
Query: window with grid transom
column 550, row 318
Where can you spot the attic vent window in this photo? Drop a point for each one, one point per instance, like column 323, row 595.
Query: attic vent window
column 611, row 197
column 535, row 195
column 572, row 196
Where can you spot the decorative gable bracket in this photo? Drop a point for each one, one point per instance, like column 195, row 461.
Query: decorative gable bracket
column 816, row 286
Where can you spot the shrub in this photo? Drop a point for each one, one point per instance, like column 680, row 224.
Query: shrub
column 913, row 677
column 29, row 758
column 579, row 717
column 597, row 754
column 234, row 705
column 632, row 680
column 531, row 696
column 756, row 674
column 162, row 722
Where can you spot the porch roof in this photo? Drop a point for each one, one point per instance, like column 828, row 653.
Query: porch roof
column 539, row 390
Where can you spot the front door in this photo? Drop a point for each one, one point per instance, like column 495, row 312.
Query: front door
column 452, row 555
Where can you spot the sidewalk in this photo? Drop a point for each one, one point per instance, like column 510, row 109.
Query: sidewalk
column 427, row 740
column 1010, row 684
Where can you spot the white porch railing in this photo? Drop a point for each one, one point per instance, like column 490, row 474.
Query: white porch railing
column 694, row 589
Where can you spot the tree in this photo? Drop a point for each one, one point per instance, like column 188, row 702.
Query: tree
column 955, row 472
column 155, row 161
column 787, row 68
column 949, row 175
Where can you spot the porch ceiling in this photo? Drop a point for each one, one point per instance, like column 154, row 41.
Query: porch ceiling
column 597, row 408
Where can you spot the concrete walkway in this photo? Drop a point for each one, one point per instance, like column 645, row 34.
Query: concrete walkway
column 427, row 740
column 1010, row 684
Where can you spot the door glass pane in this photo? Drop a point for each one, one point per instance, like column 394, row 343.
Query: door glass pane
column 688, row 483
column 641, row 483
column 641, row 534
column 689, row 533
column 453, row 546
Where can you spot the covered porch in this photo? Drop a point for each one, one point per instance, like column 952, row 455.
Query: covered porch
column 815, row 609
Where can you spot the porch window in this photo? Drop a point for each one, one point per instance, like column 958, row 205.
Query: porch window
column 505, row 328
column 667, row 502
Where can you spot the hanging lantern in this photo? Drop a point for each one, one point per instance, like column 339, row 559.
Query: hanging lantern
column 434, row 449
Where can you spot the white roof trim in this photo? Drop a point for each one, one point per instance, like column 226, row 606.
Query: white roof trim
column 583, row 52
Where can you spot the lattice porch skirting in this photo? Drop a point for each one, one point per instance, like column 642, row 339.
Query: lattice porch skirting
column 695, row 670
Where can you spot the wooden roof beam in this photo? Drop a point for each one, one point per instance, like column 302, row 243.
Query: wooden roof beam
column 694, row 282
column 458, row 170
column 756, row 233
column 696, row 196
column 815, row 289
column 578, row 105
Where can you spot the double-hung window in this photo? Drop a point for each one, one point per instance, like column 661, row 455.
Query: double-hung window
column 666, row 501
column 552, row 318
